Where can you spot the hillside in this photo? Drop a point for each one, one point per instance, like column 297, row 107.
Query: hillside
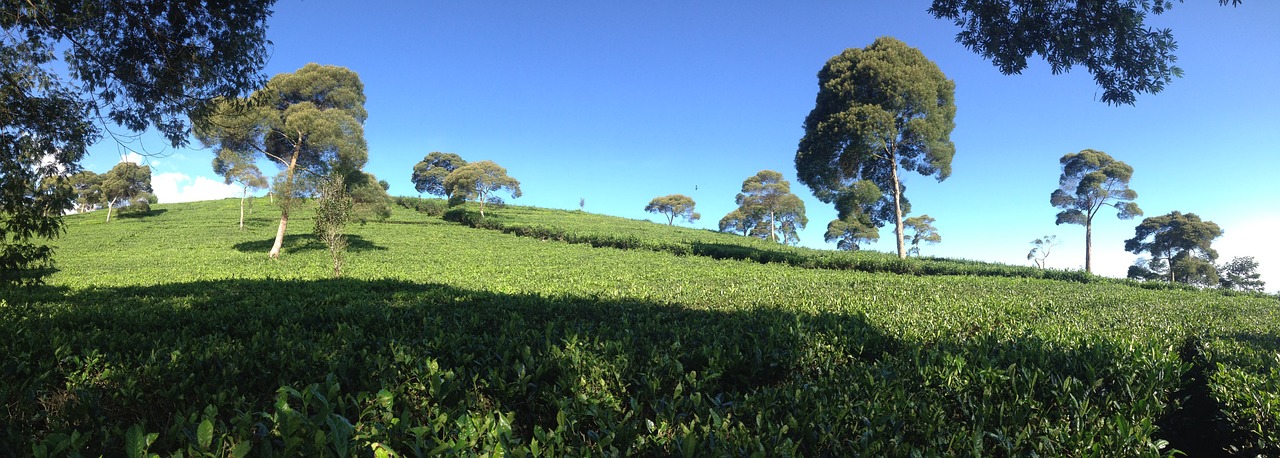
column 447, row 338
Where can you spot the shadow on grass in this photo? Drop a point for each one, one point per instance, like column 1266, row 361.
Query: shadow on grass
column 581, row 367
column 295, row 243
column 129, row 214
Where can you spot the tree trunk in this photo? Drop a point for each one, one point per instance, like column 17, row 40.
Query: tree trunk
column 110, row 204
column 285, row 202
column 897, row 205
column 1171, row 279
column 243, row 195
column 1088, row 246
column 773, row 227
column 284, row 221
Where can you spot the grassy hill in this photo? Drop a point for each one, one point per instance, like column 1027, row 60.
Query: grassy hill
column 544, row 332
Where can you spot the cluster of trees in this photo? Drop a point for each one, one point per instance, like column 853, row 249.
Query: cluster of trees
column 448, row 175
column 126, row 186
column 310, row 123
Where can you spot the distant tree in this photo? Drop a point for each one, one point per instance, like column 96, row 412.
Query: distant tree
column 70, row 67
column 429, row 174
column 672, row 206
column 479, row 181
column 237, row 167
column 879, row 110
column 582, row 204
column 1183, row 242
column 127, row 184
column 849, row 232
column 1241, row 274
column 738, row 221
column 1040, row 249
column 790, row 234
column 922, row 230
column 369, row 197
column 309, row 122
column 766, row 197
column 333, row 212
column 88, row 188
column 1108, row 37
column 1091, row 180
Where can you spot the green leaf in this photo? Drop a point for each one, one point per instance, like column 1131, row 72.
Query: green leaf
column 204, row 434
column 241, row 450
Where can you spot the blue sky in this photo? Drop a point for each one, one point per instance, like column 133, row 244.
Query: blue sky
column 620, row 102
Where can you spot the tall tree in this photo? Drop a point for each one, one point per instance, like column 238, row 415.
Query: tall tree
column 138, row 64
column 479, row 181
column 673, row 206
column 1182, row 241
column 310, row 122
column 922, row 231
column 1241, row 274
column 239, row 168
column 1108, row 37
column 768, row 206
column 879, row 111
column 1091, row 180
column 429, row 174
column 129, row 184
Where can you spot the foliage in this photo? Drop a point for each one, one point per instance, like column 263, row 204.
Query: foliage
column 477, row 342
column 432, row 207
column 1110, row 38
column 479, row 181
column 1183, row 242
column 333, row 212
column 1241, row 274
column 847, row 233
column 1041, row 248
column 767, row 209
column 674, row 206
column 239, row 167
column 879, row 109
column 127, row 184
column 310, row 123
column 139, row 65
column 87, row 186
column 429, row 174
column 369, row 197
column 1090, row 180
column 922, row 230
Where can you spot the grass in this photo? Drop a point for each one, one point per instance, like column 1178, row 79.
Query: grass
column 443, row 338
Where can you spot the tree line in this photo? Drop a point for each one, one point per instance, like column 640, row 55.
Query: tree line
column 183, row 66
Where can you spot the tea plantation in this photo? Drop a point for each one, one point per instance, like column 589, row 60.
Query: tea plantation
column 172, row 333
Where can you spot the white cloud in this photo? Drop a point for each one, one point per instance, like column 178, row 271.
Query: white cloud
column 173, row 187
column 132, row 157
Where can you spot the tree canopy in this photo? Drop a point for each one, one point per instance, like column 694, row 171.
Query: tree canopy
column 879, row 111
column 310, row 122
column 674, row 206
column 1110, row 38
column 139, row 64
column 922, row 231
column 129, row 184
column 238, row 167
column 480, row 181
column 1241, row 274
column 767, row 209
column 429, row 174
column 1182, row 242
column 1090, row 180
